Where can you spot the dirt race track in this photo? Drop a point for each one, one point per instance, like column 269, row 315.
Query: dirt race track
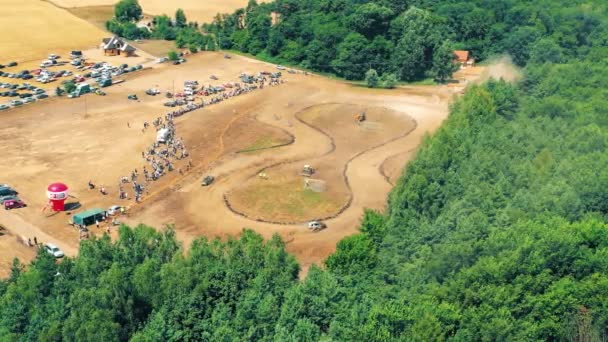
column 100, row 139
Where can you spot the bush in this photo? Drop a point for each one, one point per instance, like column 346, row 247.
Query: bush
column 371, row 78
column 69, row 86
column 131, row 31
column 388, row 81
column 172, row 55
column 114, row 26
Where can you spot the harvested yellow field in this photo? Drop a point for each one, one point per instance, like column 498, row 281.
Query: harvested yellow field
column 31, row 29
column 196, row 10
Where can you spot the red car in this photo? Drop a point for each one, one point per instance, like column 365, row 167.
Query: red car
column 13, row 204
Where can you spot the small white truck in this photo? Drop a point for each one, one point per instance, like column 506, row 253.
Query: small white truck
column 162, row 135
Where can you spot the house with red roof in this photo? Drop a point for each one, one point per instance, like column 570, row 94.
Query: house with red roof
column 463, row 57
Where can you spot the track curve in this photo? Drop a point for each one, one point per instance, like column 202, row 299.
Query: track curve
column 344, row 175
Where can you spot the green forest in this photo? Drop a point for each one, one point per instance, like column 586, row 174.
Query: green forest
column 496, row 231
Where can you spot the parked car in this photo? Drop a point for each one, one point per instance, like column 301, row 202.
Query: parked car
column 25, row 95
column 132, row 97
column 114, row 210
column 8, row 198
column 16, row 103
column 4, row 93
column 53, row 250
column 7, row 191
column 29, row 100
column 13, row 93
column 1, row 66
column 207, row 180
column 13, row 204
column 4, row 107
column 176, row 63
column 11, row 64
column 48, row 63
column 39, row 91
column 280, row 67
column 41, row 96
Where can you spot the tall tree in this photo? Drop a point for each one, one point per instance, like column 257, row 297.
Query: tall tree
column 443, row 62
column 127, row 10
column 180, row 18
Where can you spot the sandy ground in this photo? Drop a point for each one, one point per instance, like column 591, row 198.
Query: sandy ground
column 32, row 19
column 196, row 10
column 257, row 197
column 88, row 139
column 10, row 242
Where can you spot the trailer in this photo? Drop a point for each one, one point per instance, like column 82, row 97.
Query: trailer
column 89, row 217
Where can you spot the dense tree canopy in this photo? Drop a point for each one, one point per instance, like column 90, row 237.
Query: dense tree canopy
column 321, row 35
column 496, row 231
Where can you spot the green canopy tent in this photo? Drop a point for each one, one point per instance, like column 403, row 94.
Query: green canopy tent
column 88, row 217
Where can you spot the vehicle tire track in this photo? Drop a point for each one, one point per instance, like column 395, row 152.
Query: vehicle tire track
column 382, row 168
column 331, row 150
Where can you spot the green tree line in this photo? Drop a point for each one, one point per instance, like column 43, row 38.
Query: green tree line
column 411, row 39
column 185, row 34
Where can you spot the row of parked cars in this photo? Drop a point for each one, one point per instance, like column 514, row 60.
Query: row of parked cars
column 10, row 64
column 34, row 94
column 9, row 198
column 23, row 74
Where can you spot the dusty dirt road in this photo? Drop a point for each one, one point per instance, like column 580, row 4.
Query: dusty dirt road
column 100, row 139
